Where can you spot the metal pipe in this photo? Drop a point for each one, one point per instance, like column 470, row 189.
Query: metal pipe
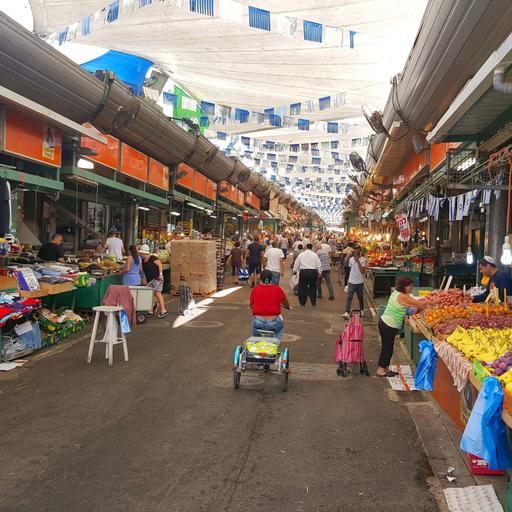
column 39, row 72
column 499, row 83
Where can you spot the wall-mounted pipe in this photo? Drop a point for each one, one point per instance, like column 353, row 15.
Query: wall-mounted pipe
column 499, row 83
column 32, row 68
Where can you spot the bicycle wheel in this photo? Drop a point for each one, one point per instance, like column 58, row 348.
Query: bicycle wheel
column 236, row 378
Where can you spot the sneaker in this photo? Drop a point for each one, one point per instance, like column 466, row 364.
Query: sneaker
column 346, row 316
column 163, row 314
column 331, row 298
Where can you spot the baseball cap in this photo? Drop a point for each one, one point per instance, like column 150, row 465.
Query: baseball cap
column 490, row 260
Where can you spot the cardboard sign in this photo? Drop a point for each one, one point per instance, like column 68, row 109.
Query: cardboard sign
column 402, row 223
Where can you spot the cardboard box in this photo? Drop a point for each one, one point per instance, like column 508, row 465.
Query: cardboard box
column 53, row 289
column 33, row 294
column 8, row 283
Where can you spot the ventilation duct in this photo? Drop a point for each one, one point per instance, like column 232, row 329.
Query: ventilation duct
column 499, row 83
column 32, row 68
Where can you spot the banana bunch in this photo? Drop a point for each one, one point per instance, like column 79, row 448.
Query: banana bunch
column 483, row 344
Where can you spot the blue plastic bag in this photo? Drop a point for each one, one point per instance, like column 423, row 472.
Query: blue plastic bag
column 426, row 370
column 485, row 434
column 125, row 324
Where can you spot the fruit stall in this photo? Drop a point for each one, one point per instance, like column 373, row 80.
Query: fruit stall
column 386, row 267
column 473, row 342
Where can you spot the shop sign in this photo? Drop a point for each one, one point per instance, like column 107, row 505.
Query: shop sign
column 30, row 138
column 158, row 174
column 256, row 203
column 402, row 223
column 106, row 154
column 211, row 190
column 134, row 163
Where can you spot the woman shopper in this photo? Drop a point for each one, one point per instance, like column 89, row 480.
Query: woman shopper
column 358, row 265
column 132, row 270
column 391, row 322
column 265, row 302
column 152, row 267
column 236, row 260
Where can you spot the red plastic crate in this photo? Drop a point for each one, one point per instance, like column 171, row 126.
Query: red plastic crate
column 479, row 466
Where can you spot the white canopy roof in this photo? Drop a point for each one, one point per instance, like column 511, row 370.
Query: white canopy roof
column 223, row 60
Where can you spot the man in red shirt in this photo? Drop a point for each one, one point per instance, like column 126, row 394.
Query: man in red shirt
column 266, row 300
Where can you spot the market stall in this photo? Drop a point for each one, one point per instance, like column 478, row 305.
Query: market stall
column 473, row 342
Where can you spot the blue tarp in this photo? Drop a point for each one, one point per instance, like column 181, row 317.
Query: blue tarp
column 130, row 69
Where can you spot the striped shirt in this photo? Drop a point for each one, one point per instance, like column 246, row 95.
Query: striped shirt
column 324, row 259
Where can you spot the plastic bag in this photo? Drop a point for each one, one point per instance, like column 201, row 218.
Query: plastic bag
column 125, row 324
column 485, row 434
column 426, row 370
column 294, row 281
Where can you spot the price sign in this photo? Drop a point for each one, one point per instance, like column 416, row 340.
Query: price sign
column 402, row 223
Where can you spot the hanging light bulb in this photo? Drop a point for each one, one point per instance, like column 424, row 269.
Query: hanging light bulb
column 470, row 259
column 506, row 256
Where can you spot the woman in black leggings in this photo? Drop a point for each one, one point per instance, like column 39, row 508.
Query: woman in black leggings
column 391, row 322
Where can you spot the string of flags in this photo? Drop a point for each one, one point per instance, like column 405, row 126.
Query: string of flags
column 459, row 206
column 231, row 11
column 316, row 149
column 280, row 117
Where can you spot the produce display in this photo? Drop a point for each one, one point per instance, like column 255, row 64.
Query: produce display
column 101, row 267
column 443, row 321
column 486, row 345
column 472, row 338
column 451, row 297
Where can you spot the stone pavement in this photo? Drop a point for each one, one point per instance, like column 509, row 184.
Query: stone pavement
column 166, row 432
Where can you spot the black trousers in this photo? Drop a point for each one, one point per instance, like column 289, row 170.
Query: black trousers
column 387, row 338
column 307, row 286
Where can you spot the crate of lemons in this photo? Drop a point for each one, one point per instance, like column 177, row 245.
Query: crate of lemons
column 489, row 349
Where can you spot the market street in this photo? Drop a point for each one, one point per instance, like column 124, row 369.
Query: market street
column 167, row 431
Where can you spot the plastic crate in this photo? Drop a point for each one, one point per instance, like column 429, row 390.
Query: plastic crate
column 479, row 466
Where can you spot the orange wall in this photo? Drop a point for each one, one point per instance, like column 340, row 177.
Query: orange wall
column 158, row 175
column 107, row 154
column 134, row 163
column 412, row 163
column 197, row 182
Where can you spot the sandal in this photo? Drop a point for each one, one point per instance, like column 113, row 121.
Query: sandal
column 389, row 373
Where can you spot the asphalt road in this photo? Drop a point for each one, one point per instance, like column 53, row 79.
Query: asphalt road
column 166, row 432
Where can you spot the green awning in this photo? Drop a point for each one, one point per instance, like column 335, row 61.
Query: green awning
column 115, row 185
column 31, row 181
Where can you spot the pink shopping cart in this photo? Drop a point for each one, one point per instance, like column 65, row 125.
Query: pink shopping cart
column 350, row 348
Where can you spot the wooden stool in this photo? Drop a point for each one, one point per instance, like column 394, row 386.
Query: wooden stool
column 110, row 338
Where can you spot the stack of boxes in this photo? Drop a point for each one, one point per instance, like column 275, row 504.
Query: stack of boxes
column 196, row 261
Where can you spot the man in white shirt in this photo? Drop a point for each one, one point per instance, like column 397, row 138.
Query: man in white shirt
column 309, row 266
column 114, row 246
column 273, row 260
column 358, row 266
